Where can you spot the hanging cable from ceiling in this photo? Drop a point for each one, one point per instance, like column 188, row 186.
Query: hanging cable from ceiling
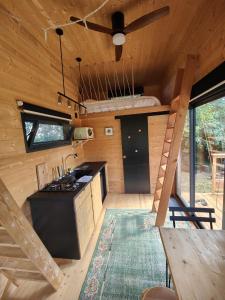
column 84, row 20
column 59, row 32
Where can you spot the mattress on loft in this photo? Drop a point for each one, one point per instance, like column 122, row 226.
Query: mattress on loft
column 94, row 106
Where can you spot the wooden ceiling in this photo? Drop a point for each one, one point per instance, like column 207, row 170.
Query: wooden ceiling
column 154, row 50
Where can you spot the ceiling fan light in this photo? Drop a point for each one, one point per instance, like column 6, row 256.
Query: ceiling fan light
column 119, row 39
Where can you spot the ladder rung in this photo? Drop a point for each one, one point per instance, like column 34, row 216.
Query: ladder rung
column 26, row 275
column 161, row 180
column 166, row 154
column 11, row 251
column 170, row 127
column 163, row 167
column 5, row 238
column 12, row 263
column 168, row 141
column 158, row 193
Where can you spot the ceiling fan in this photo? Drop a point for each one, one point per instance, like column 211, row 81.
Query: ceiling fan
column 119, row 31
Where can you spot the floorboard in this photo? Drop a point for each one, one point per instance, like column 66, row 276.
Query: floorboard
column 75, row 271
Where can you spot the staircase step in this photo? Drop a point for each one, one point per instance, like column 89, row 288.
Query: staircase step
column 168, row 141
column 166, row 154
column 20, row 264
column 5, row 238
column 163, row 167
column 161, row 180
column 11, row 251
column 26, row 275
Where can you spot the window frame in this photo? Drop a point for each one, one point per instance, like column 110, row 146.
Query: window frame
column 39, row 119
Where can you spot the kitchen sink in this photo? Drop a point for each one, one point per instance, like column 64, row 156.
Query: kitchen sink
column 78, row 173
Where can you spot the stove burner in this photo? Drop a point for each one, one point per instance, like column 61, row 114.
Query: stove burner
column 66, row 184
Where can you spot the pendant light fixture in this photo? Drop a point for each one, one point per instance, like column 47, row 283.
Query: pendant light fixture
column 78, row 59
column 59, row 32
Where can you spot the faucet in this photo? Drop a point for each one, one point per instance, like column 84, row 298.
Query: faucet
column 74, row 155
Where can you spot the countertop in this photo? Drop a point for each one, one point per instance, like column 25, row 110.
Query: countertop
column 67, row 196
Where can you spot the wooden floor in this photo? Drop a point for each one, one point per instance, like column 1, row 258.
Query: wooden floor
column 75, row 271
column 214, row 201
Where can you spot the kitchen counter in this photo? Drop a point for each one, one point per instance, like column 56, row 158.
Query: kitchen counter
column 54, row 218
column 64, row 196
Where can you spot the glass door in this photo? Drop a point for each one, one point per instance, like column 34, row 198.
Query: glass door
column 210, row 156
column 200, row 173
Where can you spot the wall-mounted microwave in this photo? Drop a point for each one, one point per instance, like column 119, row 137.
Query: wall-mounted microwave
column 83, row 133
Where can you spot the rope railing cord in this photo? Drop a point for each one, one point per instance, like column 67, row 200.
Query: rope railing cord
column 118, row 83
column 96, row 96
column 84, row 19
column 103, row 92
column 85, row 88
column 106, row 84
column 89, row 81
column 132, row 74
column 128, row 84
column 115, row 88
column 110, row 87
column 98, row 85
column 124, row 86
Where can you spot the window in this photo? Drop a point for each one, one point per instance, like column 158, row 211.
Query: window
column 200, row 171
column 210, row 156
column 42, row 132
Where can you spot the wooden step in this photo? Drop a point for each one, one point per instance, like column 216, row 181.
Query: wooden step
column 20, row 264
column 161, row 180
column 168, row 141
column 11, row 251
column 166, row 154
column 158, row 193
column 26, row 275
column 5, row 238
column 172, row 118
column 163, row 167
column 170, row 126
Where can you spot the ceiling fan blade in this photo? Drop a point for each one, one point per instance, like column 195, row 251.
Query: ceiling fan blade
column 147, row 19
column 118, row 52
column 92, row 26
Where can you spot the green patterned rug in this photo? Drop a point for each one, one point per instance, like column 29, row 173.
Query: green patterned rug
column 128, row 257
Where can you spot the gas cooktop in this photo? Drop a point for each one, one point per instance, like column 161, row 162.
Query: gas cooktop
column 65, row 184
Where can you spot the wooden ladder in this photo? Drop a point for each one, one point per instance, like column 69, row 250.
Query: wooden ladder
column 172, row 142
column 22, row 254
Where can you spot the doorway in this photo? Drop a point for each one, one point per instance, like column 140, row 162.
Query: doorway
column 134, row 135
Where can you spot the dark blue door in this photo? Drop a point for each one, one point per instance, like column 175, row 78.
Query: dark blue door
column 134, row 131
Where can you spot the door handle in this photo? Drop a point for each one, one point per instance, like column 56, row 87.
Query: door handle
column 124, row 156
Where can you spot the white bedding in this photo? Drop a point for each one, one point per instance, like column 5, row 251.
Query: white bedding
column 94, row 106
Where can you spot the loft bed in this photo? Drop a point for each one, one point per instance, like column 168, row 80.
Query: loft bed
column 94, row 106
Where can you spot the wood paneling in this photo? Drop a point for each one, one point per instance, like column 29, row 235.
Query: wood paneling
column 76, row 271
column 106, row 148
column 109, row 148
column 156, row 135
column 29, row 70
column 193, row 27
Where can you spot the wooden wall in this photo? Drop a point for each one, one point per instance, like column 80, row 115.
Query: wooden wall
column 156, row 136
column 30, row 71
column 204, row 38
column 109, row 148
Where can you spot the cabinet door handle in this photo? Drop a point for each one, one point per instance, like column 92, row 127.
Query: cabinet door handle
column 124, row 156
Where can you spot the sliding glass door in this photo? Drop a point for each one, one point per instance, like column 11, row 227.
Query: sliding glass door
column 201, row 166
column 210, row 156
